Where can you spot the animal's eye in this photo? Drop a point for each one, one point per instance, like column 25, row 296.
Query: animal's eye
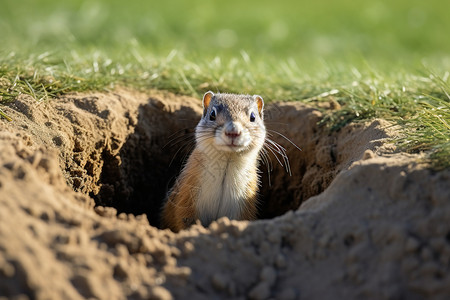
column 212, row 115
column 252, row 117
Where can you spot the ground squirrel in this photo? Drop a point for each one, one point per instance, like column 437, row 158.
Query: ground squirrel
column 220, row 176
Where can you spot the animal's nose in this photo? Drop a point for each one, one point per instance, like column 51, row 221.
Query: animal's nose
column 233, row 130
column 232, row 134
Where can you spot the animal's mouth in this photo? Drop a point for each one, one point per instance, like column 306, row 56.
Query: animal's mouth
column 237, row 143
column 235, row 147
column 231, row 143
column 232, row 146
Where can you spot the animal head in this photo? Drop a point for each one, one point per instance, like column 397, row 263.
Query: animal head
column 231, row 123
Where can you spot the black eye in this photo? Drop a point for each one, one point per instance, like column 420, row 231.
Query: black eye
column 252, row 117
column 212, row 115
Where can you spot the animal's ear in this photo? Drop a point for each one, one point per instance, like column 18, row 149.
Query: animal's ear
column 260, row 102
column 207, row 99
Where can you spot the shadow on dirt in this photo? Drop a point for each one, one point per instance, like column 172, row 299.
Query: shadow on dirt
column 150, row 160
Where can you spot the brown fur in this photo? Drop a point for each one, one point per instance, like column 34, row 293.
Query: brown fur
column 179, row 211
column 250, row 210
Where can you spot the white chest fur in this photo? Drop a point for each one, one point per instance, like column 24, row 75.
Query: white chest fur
column 224, row 187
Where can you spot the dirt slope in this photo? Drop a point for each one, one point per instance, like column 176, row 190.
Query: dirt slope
column 372, row 224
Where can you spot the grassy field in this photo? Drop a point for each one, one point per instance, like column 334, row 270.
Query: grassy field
column 387, row 58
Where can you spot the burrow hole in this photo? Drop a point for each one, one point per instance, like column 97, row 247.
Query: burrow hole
column 152, row 157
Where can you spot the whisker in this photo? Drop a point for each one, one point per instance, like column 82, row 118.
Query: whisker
column 282, row 151
column 188, row 152
column 267, row 161
column 275, row 146
column 189, row 141
column 276, row 156
column 203, row 138
column 285, row 139
column 178, row 151
column 188, row 147
column 263, row 158
column 180, row 140
column 173, row 141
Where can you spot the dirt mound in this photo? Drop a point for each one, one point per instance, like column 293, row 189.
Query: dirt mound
column 82, row 178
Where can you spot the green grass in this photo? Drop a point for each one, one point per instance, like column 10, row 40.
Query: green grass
column 387, row 59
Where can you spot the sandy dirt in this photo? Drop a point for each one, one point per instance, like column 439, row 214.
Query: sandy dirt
column 82, row 179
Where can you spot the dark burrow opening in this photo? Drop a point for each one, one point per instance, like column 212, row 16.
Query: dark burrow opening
column 138, row 179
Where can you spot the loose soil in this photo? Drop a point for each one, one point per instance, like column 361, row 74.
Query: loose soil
column 83, row 177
